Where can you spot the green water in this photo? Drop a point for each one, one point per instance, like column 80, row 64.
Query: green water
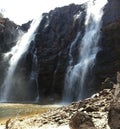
column 8, row 111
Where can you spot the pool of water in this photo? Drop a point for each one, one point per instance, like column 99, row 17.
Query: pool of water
column 9, row 111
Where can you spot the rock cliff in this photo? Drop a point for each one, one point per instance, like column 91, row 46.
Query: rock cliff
column 55, row 34
column 108, row 61
column 51, row 47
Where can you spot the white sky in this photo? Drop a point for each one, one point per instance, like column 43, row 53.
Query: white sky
column 21, row 11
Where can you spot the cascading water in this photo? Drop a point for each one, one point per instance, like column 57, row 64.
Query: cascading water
column 16, row 52
column 75, row 81
column 34, row 73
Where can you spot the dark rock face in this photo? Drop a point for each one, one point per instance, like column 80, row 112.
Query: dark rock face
column 25, row 26
column 8, row 34
column 111, row 12
column 55, row 34
column 108, row 58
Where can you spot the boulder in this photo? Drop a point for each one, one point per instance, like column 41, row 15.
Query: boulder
column 114, row 116
column 114, row 111
column 81, row 120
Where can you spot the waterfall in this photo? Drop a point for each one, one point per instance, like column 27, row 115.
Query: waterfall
column 17, row 51
column 34, row 73
column 75, row 82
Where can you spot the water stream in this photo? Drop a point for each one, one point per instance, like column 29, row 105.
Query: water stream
column 17, row 51
column 34, row 73
column 75, row 82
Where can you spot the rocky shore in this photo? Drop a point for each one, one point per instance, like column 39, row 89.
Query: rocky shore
column 101, row 111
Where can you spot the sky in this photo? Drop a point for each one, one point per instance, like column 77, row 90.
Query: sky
column 21, row 11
